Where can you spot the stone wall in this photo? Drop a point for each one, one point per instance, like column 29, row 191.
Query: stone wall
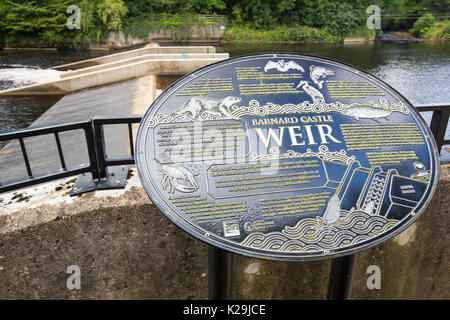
column 126, row 249
column 203, row 34
column 193, row 34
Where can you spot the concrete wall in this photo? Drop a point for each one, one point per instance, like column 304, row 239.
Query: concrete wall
column 196, row 33
column 146, row 57
column 119, row 40
column 127, row 249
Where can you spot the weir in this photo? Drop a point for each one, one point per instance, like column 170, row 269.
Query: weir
column 122, row 66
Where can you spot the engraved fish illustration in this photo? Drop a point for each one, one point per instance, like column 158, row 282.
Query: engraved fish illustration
column 366, row 111
column 316, row 73
column 282, row 66
column 333, row 210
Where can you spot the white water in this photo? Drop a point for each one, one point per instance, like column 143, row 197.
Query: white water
column 19, row 75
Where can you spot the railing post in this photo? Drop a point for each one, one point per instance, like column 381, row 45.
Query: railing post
column 92, row 152
column 219, row 273
column 99, row 143
column 438, row 126
column 341, row 278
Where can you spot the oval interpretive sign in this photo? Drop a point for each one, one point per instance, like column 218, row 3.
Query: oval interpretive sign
column 286, row 157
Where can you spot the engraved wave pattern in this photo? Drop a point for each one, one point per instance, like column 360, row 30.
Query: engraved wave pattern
column 312, row 234
column 255, row 109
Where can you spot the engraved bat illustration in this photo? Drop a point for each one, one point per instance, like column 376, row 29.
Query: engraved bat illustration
column 317, row 73
column 282, row 66
column 178, row 178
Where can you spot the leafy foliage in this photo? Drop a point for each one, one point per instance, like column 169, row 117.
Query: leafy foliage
column 422, row 25
column 291, row 20
column 100, row 16
column 33, row 18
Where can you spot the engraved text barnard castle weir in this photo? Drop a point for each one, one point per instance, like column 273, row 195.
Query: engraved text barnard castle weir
column 286, row 157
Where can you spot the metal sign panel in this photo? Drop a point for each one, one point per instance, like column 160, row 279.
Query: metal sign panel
column 286, row 157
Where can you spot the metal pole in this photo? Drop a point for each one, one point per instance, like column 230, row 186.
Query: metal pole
column 341, row 278
column 219, row 273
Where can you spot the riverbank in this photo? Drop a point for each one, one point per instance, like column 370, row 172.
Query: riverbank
column 238, row 37
column 216, row 34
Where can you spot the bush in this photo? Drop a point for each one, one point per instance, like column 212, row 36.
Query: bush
column 440, row 30
column 446, row 30
column 248, row 33
column 422, row 25
column 340, row 19
column 300, row 33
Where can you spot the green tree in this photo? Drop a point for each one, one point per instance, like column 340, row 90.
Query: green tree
column 339, row 18
column 285, row 9
column 45, row 19
column 111, row 13
column 100, row 16
column 422, row 25
column 208, row 6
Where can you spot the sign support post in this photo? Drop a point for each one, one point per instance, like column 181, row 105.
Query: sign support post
column 341, row 278
column 219, row 273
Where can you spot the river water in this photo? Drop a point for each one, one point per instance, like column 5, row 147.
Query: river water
column 18, row 68
column 420, row 71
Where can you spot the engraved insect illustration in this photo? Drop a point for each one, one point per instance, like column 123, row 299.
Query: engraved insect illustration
column 317, row 73
column 176, row 177
column 315, row 94
column 196, row 105
column 282, row 66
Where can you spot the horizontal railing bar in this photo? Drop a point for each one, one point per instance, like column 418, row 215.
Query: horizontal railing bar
column 36, row 131
column 90, row 126
column 432, row 107
column 26, row 132
column 119, row 161
column 17, row 184
column 117, row 120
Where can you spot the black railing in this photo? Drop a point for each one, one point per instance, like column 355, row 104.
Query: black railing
column 101, row 165
column 439, row 122
column 32, row 179
column 95, row 143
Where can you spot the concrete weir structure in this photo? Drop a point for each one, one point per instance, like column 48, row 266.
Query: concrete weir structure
column 126, row 249
column 123, row 66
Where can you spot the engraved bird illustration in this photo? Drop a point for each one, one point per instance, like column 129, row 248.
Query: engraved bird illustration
column 317, row 73
column 315, row 94
column 282, row 66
